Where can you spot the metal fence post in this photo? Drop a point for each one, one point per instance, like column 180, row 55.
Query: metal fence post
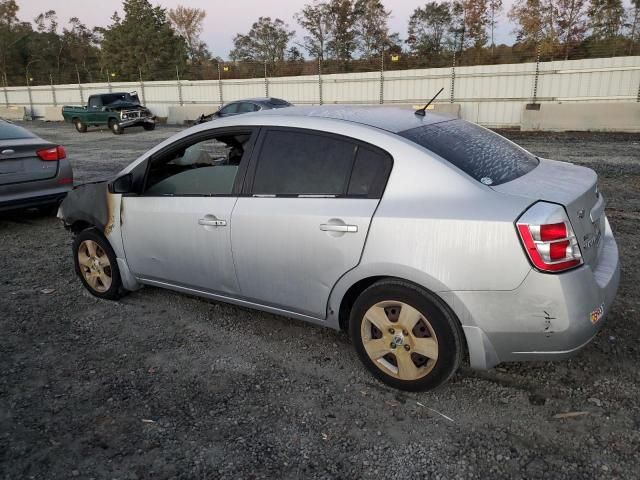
column 30, row 97
column 382, row 76
column 453, row 78
column 219, row 84
column 637, row 98
column 320, row 79
column 80, row 86
column 179, row 86
column 144, row 101
column 6, row 93
column 109, row 81
column 537, row 75
column 53, row 91
column 266, row 81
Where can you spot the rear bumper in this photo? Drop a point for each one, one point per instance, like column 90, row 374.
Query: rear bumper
column 36, row 200
column 548, row 317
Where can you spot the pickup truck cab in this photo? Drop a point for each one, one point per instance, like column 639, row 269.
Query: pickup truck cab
column 116, row 110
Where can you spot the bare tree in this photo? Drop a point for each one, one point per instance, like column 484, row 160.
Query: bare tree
column 187, row 21
column 316, row 20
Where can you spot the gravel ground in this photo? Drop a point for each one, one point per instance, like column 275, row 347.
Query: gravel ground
column 161, row 385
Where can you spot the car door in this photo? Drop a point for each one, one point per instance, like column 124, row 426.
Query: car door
column 177, row 231
column 96, row 115
column 304, row 221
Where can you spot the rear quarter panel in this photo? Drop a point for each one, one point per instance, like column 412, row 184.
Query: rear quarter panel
column 437, row 227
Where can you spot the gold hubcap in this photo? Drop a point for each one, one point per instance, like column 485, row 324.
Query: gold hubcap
column 94, row 265
column 399, row 340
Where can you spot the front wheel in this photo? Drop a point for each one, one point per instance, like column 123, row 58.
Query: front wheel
column 149, row 126
column 115, row 127
column 96, row 265
column 405, row 336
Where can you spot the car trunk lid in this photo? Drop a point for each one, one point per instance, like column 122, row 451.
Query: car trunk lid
column 575, row 188
column 20, row 163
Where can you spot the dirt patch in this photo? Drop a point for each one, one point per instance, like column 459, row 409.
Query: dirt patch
column 161, row 385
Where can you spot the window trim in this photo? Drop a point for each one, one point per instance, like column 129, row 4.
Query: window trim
column 247, row 190
column 200, row 137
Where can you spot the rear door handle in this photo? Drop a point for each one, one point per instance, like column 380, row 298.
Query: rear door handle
column 327, row 227
column 212, row 223
column 8, row 151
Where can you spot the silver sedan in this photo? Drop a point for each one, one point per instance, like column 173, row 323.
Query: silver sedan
column 424, row 237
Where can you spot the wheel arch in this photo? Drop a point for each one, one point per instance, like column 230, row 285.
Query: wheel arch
column 350, row 287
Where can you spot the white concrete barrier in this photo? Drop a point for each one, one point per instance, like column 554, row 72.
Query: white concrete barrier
column 180, row 114
column 13, row 113
column 592, row 116
column 53, row 114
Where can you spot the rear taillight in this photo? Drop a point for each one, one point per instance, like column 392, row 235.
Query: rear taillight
column 548, row 238
column 52, row 154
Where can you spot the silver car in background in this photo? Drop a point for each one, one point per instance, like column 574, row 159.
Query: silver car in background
column 424, row 237
column 33, row 172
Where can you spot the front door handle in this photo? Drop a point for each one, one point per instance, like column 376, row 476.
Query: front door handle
column 212, row 223
column 328, row 227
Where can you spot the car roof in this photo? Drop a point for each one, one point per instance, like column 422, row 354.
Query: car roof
column 390, row 118
column 257, row 100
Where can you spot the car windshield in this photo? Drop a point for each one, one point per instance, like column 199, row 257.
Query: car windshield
column 9, row 131
column 484, row 155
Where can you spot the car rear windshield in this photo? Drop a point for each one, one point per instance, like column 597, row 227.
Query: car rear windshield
column 9, row 131
column 481, row 153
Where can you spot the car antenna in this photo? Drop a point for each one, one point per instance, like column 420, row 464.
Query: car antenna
column 423, row 109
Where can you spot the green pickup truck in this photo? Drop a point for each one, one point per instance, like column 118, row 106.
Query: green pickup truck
column 116, row 110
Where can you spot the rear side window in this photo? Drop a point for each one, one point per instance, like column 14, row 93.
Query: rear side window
column 297, row 163
column 370, row 172
column 248, row 107
column 484, row 155
column 232, row 108
column 9, row 131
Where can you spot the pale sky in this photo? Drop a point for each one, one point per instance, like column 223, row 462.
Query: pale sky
column 225, row 18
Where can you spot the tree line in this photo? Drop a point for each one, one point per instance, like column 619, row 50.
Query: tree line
column 152, row 43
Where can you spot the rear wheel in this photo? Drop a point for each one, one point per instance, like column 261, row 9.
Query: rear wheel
column 405, row 336
column 115, row 127
column 80, row 127
column 96, row 265
column 149, row 126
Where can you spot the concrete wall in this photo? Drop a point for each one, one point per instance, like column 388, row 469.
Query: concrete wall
column 618, row 117
column 13, row 113
column 180, row 114
column 492, row 95
column 53, row 114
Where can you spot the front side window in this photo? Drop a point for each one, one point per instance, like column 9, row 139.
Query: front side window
column 208, row 167
column 484, row 155
column 300, row 163
column 95, row 102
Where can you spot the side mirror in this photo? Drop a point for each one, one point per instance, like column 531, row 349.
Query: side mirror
column 123, row 184
column 104, row 109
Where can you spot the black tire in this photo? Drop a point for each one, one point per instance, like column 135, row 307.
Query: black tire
column 80, row 127
column 115, row 127
column 149, row 126
column 445, row 327
column 115, row 290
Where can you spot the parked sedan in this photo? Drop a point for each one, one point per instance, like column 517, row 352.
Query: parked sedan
column 424, row 237
column 33, row 172
column 245, row 106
